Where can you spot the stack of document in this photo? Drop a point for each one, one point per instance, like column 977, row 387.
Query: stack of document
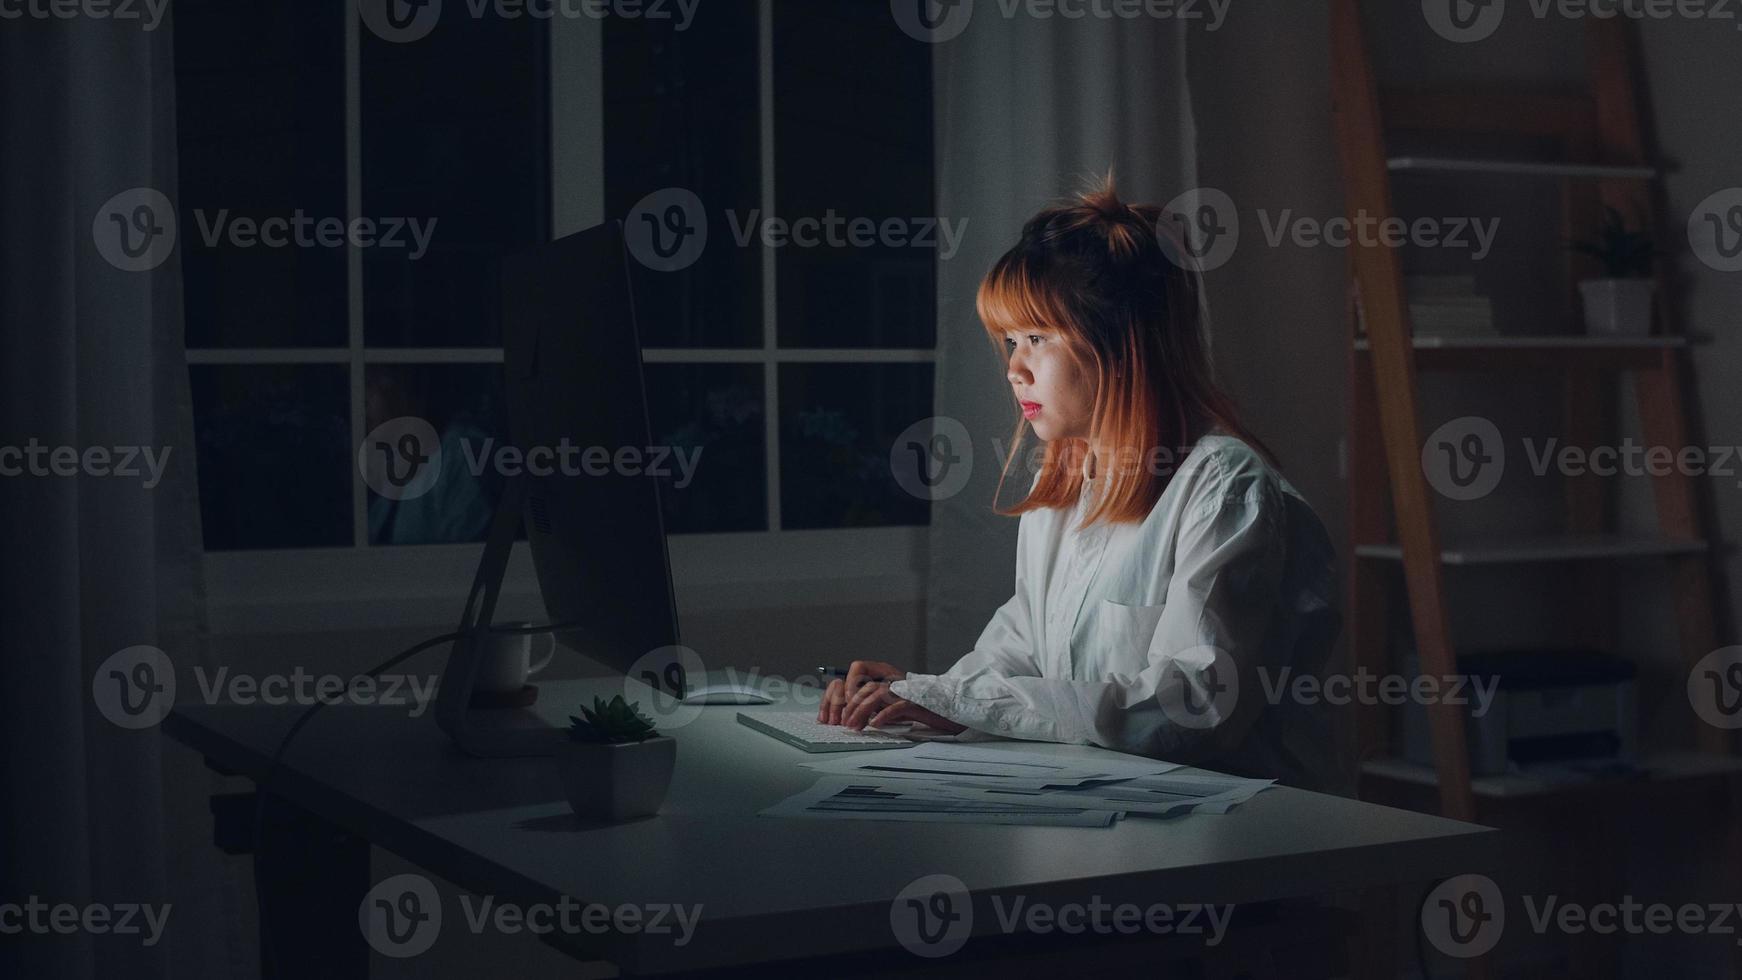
column 1447, row 306
column 1004, row 783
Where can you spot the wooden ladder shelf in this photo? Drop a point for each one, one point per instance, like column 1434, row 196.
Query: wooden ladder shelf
column 1605, row 163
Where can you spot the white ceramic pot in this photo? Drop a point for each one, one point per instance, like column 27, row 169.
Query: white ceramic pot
column 1617, row 307
column 617, row 781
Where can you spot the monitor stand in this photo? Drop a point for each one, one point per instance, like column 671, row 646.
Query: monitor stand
column 495, row 733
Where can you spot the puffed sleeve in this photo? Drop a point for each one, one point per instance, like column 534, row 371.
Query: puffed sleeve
column 1230, row 546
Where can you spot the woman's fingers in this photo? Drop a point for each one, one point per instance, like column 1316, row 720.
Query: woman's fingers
column 898, row 711
column 831, row 700
column 866, row 703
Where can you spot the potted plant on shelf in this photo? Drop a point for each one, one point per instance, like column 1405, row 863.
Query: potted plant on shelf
column 1619, row 304
column 616, row 765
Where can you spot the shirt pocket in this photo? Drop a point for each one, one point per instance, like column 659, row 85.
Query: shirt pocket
column 1126, row 631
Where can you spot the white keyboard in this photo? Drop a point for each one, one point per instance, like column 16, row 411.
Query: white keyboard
column 795, row 728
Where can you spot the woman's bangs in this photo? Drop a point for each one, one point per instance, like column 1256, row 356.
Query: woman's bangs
column 1014, row 297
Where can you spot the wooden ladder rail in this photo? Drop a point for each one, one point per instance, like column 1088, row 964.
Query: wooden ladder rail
column 1378, row 282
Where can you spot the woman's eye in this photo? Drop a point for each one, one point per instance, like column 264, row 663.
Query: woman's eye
column 1037, row 338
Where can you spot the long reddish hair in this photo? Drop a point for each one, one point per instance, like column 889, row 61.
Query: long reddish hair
column 1113, row 282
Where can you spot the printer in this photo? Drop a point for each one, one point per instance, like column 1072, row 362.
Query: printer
column 1546, row 707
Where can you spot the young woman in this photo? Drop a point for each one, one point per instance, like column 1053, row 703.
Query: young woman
column 1170, row 584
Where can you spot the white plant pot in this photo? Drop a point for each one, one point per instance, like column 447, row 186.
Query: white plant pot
column 1617, row 307
column 617, row 781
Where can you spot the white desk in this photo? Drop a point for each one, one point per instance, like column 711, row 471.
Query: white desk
column 773, row 887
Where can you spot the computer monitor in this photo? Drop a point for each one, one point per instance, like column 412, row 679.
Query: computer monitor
column 576, row 398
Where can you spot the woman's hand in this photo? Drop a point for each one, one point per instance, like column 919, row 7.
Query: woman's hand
column 861, row 675
column 861, row 700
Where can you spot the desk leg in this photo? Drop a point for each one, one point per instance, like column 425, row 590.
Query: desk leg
column 312, row 876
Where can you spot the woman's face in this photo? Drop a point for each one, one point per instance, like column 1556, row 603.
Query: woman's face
column 1057, row 395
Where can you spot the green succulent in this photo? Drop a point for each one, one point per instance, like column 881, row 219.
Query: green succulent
column 618, row 721
column 1625, row 254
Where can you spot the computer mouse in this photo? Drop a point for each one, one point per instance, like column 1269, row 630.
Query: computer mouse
column 726, row 694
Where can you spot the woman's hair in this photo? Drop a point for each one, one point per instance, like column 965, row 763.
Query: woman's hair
column 1098, row 273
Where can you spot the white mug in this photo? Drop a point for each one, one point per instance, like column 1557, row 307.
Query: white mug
column 506, row 660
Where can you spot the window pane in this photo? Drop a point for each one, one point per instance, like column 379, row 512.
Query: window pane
column 274, row 455
column 681, row 112
column 837, row 424
column 455, row 144
column 260, row 107
column 712, row 416
column 853, row 139
column 463, row 404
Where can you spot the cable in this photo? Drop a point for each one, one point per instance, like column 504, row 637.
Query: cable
column 262, row 787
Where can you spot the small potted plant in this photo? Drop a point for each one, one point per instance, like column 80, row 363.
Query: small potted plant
column 1620, row 302
column 616, row 765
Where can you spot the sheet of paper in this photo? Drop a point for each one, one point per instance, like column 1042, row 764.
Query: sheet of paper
column 1155, row 802
column 849, row 799
column 1003, row 764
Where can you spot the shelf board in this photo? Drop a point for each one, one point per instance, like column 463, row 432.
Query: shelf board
column 1519, row 168
column 1555, row 342
column 1537, row 353
column 1561, row 547
column 1654, row 769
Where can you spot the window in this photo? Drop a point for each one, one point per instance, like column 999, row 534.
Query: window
column 791, row 368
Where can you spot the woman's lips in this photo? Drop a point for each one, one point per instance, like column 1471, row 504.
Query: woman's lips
column 1030, row 409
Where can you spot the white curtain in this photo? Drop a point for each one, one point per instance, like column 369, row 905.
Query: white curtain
column 1027, row 110
column 91, row 356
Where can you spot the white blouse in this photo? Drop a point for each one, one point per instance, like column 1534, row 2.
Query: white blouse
column 1166, row 638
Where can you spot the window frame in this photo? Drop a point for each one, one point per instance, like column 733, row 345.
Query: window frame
column 379, row 586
